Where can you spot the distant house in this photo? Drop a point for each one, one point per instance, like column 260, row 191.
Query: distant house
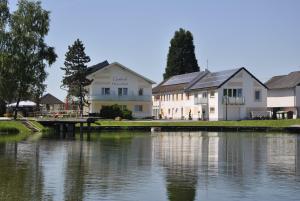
column 50, row 103
column 225, row 95
column 284, row 95
column 116, row 84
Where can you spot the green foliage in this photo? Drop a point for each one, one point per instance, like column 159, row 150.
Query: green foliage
column 24, row 53
column 181, row 56
column 76, row 71
column 127, row 114
column 113, row 111
column 12, row 127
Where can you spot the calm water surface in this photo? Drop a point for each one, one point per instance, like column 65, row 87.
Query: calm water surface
column 153, row 167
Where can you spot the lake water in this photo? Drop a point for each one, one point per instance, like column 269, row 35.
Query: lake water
column 175, row 166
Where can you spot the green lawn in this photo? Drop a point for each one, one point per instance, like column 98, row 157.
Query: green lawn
column 12, row 127
column 245, row 123
column 13, row 131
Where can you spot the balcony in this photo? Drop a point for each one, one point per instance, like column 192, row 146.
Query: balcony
column 114, row 97
column 200, row 101
column 233, row 100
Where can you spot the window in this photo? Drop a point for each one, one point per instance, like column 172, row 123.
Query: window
column 125, row 91
column 257, row 95
column 138, row 108
column 224, row 92
column 196, row 95
column 239, row 92
column 177, row 97
column 105, row 91
column 212, row 94
column 141, row 91
column 188, row 96
column 229, row 91
column 233, row 92
column 122, row 91
column 169, row 111
column 182, row 96
column 204, row 95
column 211, row 110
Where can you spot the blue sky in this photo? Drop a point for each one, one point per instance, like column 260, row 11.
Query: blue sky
column 262, row 35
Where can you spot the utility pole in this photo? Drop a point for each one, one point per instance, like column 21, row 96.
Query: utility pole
column 226, row 103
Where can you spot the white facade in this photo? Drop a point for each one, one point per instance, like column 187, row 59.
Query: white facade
column 284, row 100
column 116, row 84
column 241, row 97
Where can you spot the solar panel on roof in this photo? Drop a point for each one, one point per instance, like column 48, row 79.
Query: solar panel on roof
column 213, row 79
column 179, row 79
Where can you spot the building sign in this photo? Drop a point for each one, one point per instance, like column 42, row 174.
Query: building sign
column 119, row 81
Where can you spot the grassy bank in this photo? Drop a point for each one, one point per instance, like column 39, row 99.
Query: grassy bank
column 245, row 123
column 12, row 127
column 13, row 131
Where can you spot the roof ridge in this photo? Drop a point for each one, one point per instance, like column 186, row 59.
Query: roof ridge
column 198, row 78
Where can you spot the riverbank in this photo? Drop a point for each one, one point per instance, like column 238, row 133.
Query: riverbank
column 291, row 125
column 11, row 131
column 244, row 123
column 12, row 127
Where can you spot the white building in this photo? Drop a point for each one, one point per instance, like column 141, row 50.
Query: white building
column 116, row 84
column 226, row 95
column 284, row 95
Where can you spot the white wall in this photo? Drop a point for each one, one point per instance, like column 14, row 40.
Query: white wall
column 175, row 106
column 281, row 97
column 249, row 85
column 115, row 77
column 241, row 80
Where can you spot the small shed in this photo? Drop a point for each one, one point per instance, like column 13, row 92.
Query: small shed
column 50, row 103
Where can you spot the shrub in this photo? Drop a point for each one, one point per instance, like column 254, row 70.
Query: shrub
column 127, row 114
column 113, row 111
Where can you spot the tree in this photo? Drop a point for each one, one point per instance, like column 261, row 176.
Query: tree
column 181, row 56
column 76, row 72
column 30, row 54
column 6, row 87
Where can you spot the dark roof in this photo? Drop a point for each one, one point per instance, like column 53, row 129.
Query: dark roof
column 169, row 88
column 177, row 82
column 97, row 67
column 284, row 81
column 203, row 80
column 50, row 99
column 214, row 79
column 179, row 79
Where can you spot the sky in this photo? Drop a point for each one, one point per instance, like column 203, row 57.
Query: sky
column 261, row 35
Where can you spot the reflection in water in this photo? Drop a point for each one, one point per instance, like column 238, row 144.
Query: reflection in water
column 20, row 172
column 181, row 154
column 162, row 166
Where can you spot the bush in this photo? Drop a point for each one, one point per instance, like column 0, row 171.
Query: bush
column 127, row 114
column 113, row 111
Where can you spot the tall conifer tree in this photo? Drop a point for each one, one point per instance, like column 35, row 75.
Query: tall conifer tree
column 181, row 56
column 75, row 72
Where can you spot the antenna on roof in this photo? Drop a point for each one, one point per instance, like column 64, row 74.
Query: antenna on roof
column 207, row 64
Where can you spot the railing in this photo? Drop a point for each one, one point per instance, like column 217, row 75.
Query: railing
column 199, row 101
column 233, row 100
column 120, row 98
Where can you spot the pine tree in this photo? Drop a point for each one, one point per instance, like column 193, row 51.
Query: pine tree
column 75, row 72
column 181, row 56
